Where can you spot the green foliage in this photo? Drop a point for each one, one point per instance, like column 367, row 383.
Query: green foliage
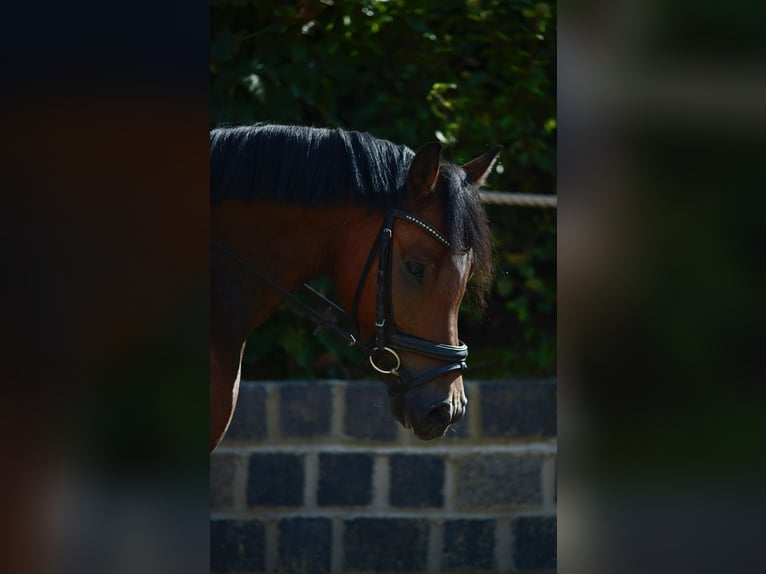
column 471, row 74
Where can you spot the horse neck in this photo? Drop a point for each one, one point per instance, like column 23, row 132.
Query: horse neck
column 288, row 244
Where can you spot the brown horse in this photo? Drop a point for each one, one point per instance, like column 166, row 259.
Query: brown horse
column 400, row 233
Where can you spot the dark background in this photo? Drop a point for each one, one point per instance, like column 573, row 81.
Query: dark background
column 104, row 176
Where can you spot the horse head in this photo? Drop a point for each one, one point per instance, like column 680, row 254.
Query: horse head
column 407, row 301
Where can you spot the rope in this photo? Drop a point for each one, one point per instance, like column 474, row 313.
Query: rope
column 520, row 199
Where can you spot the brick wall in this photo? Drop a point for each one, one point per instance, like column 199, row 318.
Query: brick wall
column 318, row 477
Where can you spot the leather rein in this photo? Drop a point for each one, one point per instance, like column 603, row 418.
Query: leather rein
column 329, row 316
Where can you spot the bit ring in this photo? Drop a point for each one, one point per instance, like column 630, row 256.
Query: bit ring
column 395, row 370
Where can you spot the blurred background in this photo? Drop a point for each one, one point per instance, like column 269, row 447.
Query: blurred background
column 104, row 337
column 662, row 134
column 470, row 74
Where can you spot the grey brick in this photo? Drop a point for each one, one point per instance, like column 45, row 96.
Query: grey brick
column 499, row 480
column 534, row 543
column 275, row 479
column 386, row 544
column 416, row 480
column 515, row 409
column 345, row 479
column 305, row 410
column 469, row 544
column 305, row 545
column 237, row 545
column 249, row 422
column 222, row 471
column 368, row 415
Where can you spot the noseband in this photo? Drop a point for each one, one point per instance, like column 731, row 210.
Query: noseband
column 388, row 341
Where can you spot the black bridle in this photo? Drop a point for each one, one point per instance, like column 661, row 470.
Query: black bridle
column 387, row 339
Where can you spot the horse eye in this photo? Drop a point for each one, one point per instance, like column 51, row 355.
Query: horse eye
column 417, row 270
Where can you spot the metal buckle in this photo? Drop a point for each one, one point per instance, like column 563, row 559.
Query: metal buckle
column 395, row 370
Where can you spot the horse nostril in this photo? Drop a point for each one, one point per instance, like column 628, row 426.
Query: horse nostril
column 441, row 414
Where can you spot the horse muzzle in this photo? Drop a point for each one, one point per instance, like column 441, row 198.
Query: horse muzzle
column 430, row 408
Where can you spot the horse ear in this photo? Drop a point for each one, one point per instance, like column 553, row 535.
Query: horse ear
column 478, row 169
column 424, row 170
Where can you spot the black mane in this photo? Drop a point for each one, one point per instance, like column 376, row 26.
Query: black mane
column 321, row 166
column 311, row 166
